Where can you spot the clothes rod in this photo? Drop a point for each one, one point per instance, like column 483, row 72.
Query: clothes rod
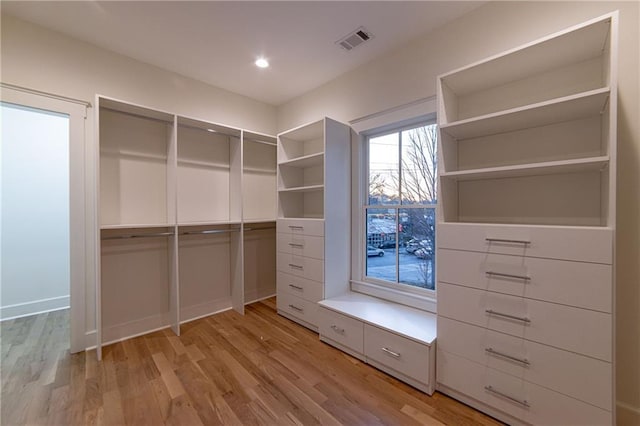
column 130, row 236
column 262, row 142
column 136, row 115
column 259, row 229
column 210, row 231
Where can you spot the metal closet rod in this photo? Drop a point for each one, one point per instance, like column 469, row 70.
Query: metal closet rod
column 210, row 231
column 259, row 229
column 129, row 236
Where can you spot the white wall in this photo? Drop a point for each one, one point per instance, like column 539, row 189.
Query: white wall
column 35, row 212
column 410, row 73
column 40, row 59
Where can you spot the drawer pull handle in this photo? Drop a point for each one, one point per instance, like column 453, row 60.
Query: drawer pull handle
column 500, row 274
column 513, row 317
column 392, row 353
column 492, row 351
column 502, row 240
column 522, row 402
column 296, row 308
column 295, row 227
column 296, row 245
column 294, row 266
column 337, row 329
column 296, row 287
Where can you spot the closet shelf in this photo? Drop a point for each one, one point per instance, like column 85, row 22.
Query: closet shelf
column 310, row 188
column 210, row 223
column 533, row 169
column 557, row 110
column 311, row 160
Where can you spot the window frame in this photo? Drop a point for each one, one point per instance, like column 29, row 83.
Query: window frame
column 402, row 293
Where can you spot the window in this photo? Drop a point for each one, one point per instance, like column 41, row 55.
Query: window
column 399, row 210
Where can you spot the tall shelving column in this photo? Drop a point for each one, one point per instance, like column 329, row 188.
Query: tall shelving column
column 259, row 174
column 136, row 214
column 313, row 218
column 526, row 229
column 209, row 217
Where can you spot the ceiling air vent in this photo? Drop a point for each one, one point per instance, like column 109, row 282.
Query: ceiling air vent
column 354, row 39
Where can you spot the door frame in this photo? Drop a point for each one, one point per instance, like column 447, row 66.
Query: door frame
column 77, row 113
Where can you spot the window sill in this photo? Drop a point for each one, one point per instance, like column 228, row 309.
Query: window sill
column 414, row 300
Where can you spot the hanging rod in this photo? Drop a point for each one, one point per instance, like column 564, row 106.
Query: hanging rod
column 210, row 231
column 129, row 236
column 262, row 142
column 215, row 132
column 46, row 94
column 259, row 229
column 136, row 115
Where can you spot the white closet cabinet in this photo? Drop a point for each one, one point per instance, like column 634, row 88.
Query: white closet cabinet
column 526, row 229
column 313, row 241
column 187, row 214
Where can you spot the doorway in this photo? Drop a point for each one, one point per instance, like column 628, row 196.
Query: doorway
column 42, row 221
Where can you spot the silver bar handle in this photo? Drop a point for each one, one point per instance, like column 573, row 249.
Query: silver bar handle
column 500, row 314
column 522, row 402
column 392, row 353
column 296, row 287
column 296, row 308
column 501, row 274
column 337, row 329
column 502, row 240
column 294, row 266
column 296, row 245
column 492, row 351
column 295, row 227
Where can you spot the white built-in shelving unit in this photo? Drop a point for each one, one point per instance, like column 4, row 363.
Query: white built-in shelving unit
column 187, row 212
column 313, row 184
column 526, row 229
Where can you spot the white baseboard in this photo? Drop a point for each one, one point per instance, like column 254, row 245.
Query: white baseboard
column 627, row 414
column 191, row 313
column 117, row 333
column 34, row 307
column 258, row 295
column 90, row 340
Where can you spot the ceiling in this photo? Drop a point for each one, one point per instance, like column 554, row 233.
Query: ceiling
column 217, row 42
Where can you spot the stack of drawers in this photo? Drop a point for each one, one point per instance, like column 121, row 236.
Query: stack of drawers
column 300, row 263
column 525, row 321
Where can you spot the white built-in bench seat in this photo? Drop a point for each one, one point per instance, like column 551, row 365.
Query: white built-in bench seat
column 394, row 338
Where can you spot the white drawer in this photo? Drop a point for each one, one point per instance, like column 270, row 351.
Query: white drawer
column 581, row 377
column 581, row 244
column 586, row 285
column 301, row 245
column 305, row 267
column 545, row 406
column 298, row 308
column 396, row 352
column 341, row 329
column 579, row 330
column 305, row 289
column 301, row 226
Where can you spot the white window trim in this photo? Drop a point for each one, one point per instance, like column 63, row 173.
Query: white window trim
column 394, row 118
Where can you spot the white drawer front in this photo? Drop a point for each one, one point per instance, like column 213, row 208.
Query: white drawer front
column 586, row 285
column 545, row 406
column 396, row 352
column 578, row 376
column 346, row 331
column 574, row 329
column 305, row 267
column 300, row 287
column 301, row 245
column 301, row 226
column 581, row 244
column 297, row 307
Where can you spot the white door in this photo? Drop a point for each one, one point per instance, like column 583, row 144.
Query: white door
column 43, row 208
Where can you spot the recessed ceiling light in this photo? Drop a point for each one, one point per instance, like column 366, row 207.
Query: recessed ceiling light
column 262, row 63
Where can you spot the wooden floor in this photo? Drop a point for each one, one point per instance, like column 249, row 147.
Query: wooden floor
column 224, row 369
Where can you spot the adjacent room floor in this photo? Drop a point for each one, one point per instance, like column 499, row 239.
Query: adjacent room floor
column 225, row 369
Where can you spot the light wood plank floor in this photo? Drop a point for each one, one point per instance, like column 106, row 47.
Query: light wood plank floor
column 225, row 369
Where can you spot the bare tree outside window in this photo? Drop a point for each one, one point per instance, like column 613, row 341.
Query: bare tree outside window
column 402, row 179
